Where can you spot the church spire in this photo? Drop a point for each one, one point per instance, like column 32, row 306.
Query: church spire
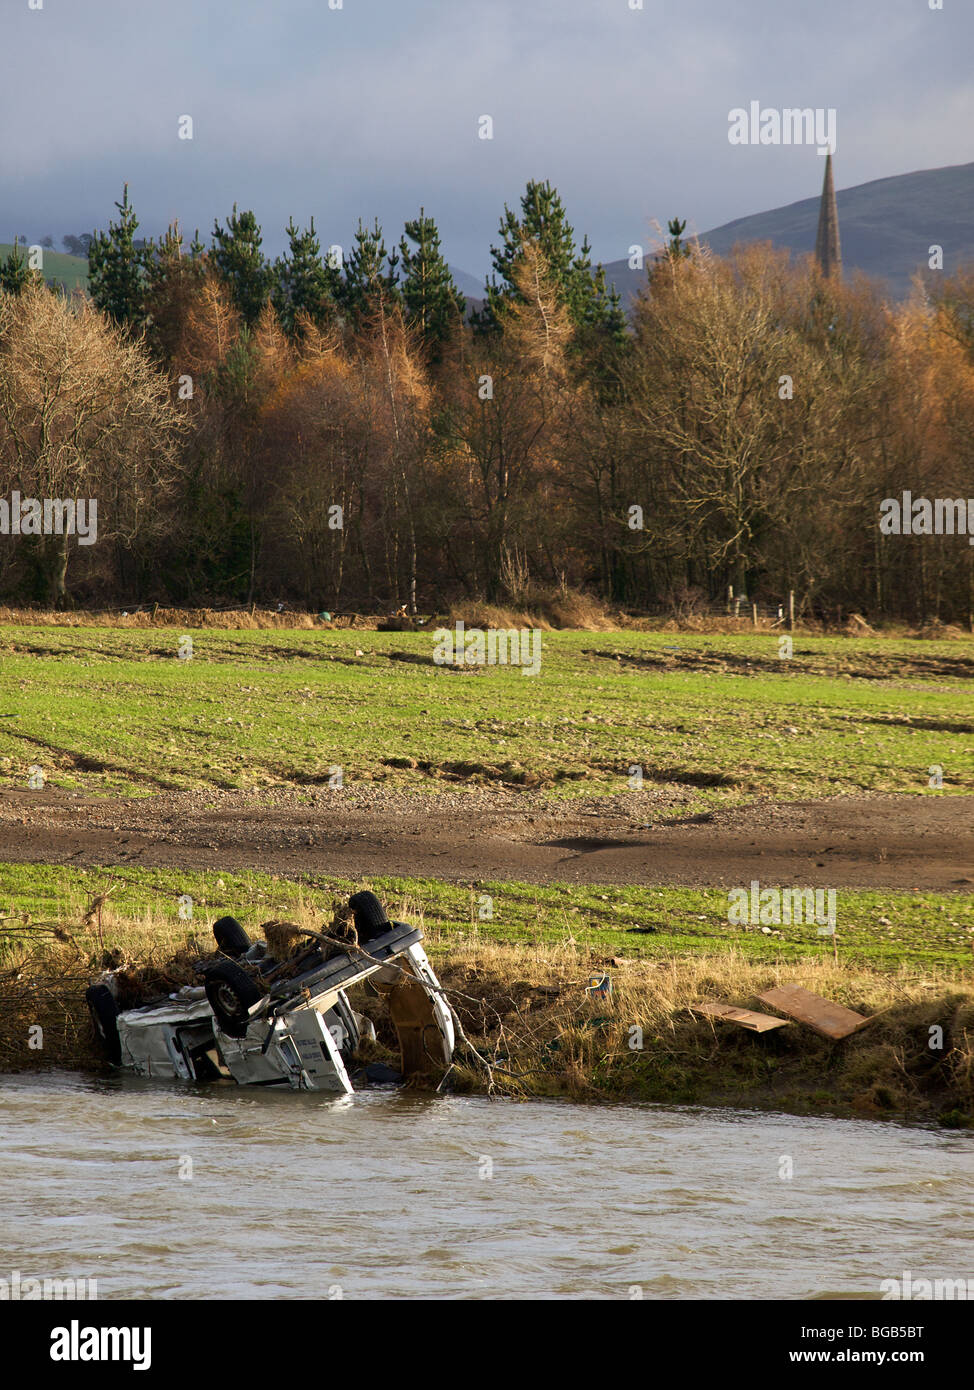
column 828, row 251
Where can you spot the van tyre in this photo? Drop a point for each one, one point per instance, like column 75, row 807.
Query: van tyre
column 104, row 1020
column 231, row 992
column 370, row 916
column 231, row 937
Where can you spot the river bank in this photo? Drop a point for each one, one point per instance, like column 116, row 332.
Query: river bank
column 539, row 1030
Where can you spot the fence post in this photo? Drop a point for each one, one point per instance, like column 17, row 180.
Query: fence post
column 754, row 614
column 791, row 609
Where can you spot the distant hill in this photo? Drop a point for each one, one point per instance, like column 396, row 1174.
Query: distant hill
column 473, row 290
column 886, row 226
column 468, row 285
column 70, row 271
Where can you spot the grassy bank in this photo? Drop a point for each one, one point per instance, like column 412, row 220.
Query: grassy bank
column 519, row 984
column 876, row 930
column 109, row 710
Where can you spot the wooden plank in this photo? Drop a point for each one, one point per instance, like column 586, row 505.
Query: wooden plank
column 828, row 1019
column 747, row 1018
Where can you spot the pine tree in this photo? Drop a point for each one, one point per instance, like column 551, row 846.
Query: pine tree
column 434, row 305
column 240, row 262
column 677, row 250
column 116, row 268
column 172, row 281
column 370, row 276
column 543, row 223
column 164, row 254
column 303, row 283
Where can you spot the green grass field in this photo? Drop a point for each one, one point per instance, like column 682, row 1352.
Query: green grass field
column 111, row 710
column 71, row 271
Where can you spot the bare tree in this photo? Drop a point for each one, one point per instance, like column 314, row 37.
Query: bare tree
column 84, row 413
column 741, row 414
column 506, row 415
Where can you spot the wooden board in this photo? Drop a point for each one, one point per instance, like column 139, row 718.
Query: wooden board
column 828, row 1019
column 747, row 1018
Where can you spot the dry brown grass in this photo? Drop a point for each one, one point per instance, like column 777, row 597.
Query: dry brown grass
column 188, row 618
column 940, row 632
column 547, row 609
column 528, row 1012
column 888, row 1067
column 237, row 619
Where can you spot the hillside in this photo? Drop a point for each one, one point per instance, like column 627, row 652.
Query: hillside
column 887, row 227
column 468, row 285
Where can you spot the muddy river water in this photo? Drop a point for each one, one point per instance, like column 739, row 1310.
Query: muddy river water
column 165, row 1191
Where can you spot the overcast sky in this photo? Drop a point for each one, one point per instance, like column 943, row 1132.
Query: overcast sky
column 373, row 109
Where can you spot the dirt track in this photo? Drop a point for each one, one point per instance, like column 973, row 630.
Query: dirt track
column 914, row 842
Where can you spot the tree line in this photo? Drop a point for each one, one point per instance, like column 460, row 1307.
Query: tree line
column 337, row 429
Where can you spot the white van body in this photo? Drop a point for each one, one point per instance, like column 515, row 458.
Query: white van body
column 302, row 1032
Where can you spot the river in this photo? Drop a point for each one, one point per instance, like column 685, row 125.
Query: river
column 165, row 1191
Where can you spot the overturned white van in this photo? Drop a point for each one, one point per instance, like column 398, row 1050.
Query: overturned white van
column 263, row 1021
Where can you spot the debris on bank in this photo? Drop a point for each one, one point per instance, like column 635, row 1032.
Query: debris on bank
column 746, row 1018
column 829, row 1020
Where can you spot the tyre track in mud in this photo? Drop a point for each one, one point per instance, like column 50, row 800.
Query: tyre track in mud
column 905, row 842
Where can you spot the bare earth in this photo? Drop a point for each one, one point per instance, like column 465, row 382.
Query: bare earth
column 900, row 842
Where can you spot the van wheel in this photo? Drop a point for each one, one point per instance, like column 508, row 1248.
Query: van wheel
column 370, row 916
column 231, row 992
column 104, row 1020
column 231, row 937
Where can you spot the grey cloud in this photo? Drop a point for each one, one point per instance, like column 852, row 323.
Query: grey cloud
column 372, row 109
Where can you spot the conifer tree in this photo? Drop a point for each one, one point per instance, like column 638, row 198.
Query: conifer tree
column 677, row 249
column 116, row 268
column 434, row 305
column 241, row 264
column 303, row 282
column 580, row 289
column 173, row 279
column 370, row 275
